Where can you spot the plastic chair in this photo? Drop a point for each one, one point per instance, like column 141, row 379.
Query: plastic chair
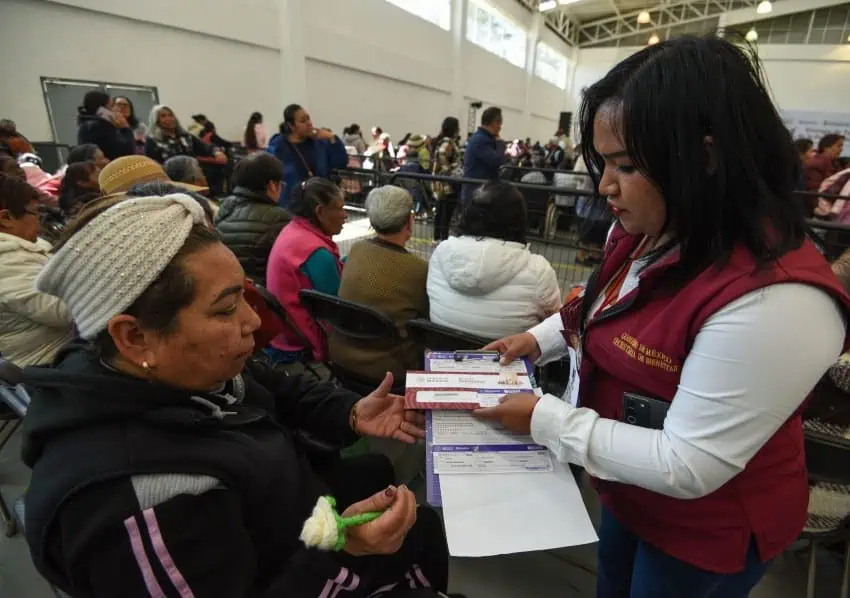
column 828, row 460
column 443, row 338
column 356, row 322
column 14, row 401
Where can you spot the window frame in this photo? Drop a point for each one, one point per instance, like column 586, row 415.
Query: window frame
column 496, row 45
column 554, row 53
column 419, row 9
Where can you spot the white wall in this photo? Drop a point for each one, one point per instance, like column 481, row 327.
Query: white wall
column 801, row 77
column 194, row 72
column 367, row 61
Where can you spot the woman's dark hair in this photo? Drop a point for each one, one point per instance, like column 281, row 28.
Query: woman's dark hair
column 256, row 171
column 131, row 120
column 491, row 115
column 450, row 128
column 696, row 119
column 250, row 134
column 82, row 153
column 16, row 195
column 497, row 209
column 354, row 129
column 404, row 139
column 289, row 118
column 828, row 140
column 158, row 306
column 162, row 188
column 71, row 190
column 93, row 100
column 310, row 194
column 803, row 145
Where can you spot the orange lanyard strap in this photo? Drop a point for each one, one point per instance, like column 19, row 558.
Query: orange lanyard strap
column 612, row 291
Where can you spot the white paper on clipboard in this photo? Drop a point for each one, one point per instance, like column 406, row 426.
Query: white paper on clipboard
column 508, row 513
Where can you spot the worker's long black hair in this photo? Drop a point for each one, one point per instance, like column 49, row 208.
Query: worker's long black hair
column 696, row 118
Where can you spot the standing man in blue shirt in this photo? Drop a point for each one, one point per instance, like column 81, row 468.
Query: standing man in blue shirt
column 485, row 151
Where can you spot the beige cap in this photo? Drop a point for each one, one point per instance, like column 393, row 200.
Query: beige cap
column 122, row 174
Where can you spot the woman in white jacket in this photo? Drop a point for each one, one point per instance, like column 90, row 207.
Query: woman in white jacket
column 486, row 281
column 33, row 326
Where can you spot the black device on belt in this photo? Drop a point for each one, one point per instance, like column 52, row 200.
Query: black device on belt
column 645, row 412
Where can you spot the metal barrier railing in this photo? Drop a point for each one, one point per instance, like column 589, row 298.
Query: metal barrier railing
column 554, row 229
column 509, row 166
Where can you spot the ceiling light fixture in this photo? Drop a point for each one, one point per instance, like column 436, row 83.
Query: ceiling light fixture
column 764, row 7
column 547, row 5
column 643, row 17
column 752, row 35
column 654, row 39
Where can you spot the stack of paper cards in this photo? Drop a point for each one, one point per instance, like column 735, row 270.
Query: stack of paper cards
column 451, row 390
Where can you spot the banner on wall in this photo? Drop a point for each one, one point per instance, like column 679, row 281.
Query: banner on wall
column 814, row 125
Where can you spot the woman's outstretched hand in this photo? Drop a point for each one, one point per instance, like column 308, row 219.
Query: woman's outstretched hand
column 382, row 414
column 386, row 534
column 513, row 413
column 516, row 346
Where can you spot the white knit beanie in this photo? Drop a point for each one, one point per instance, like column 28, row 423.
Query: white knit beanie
column 112, row 260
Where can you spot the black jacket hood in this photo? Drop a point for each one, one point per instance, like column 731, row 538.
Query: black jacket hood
column 78, row 391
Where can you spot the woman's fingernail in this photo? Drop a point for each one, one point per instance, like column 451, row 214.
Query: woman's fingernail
column 390, row 492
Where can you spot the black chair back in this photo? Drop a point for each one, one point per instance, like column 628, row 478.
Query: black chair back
column 12, row 392
column 442, row 338
column 353, row 320
column 359, row 323
column 277, row 309
column 53, row 155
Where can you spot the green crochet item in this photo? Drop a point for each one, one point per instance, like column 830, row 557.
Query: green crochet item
column 325, row 528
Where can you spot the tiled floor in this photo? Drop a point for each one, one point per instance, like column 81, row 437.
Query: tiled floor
column 564, row 573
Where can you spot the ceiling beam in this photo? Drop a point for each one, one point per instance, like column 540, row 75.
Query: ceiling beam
column 786, row 7
column 663, row 16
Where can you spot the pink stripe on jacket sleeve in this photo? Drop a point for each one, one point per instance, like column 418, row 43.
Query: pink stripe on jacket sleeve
column 164, row 556
column 142, row 561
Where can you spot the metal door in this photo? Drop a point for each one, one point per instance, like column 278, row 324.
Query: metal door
column 62, row 99
column 63, row 96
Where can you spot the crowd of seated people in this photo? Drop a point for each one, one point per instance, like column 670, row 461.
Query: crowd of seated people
column 181, row 333
column 223, row 469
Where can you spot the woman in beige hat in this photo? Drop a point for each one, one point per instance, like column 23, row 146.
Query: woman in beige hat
column 121, row 175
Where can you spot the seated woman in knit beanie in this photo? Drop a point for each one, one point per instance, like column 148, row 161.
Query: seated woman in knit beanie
column 166, row 462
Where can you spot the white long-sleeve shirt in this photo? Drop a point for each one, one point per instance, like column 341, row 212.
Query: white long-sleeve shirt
column 751, row 366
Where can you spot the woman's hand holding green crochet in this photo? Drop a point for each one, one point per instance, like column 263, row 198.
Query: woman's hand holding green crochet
column 385, row 534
